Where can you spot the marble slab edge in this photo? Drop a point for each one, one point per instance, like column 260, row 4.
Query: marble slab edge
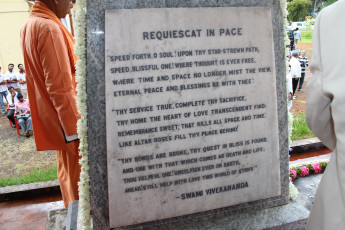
column 37, row 189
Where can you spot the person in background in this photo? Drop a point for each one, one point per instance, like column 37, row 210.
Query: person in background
column 23, row 114
column 11, row 77
column 12, row 101
column 3, row 93
column 304, row 63
column 325, row 109
column 50, row 77
column 295, row 70
column 22, row 80
column 298, row 35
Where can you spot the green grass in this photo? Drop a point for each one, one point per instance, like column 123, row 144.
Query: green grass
column 300, row 128
column 306, row 41
column 35, row 176
column 307, row 37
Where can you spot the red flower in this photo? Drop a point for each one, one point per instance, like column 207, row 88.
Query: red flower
column 294, row 174
column 304, row 171
column 317, row 168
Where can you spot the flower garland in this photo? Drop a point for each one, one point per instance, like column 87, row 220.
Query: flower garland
column 80, row 51
column 290, row 126
column 303, row 170
column 293, row 192
column 283, row 6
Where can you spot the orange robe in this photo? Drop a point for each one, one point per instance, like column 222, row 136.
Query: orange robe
column 51, row 92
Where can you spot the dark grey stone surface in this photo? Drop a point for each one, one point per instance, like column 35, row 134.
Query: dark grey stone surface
column 96, row 103
column 291, row 216
column 306, row 189
column 72, row 215
column 302, row 146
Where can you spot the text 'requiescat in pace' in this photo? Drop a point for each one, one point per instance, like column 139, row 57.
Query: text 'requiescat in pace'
column 193, row 33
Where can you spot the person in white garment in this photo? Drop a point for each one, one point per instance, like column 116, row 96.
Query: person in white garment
column 297, row 35
column 11, row 77
column 325, row 113
column 22, row 80
column 3, row 93
column 12, row 101
column 295, row 70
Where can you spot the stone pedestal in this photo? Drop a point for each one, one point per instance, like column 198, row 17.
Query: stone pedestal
column 170, row 82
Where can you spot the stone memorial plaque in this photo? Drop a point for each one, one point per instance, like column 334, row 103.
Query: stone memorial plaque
column 191, row 111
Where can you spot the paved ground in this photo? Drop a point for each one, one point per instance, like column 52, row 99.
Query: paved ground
column 18, row 154
column 28, row 214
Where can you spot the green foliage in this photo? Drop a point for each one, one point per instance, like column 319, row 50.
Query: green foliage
column 323, row 166
column 35, row 176
column 327, row 3
column 311, row 169
column 308, row 33
column 298, row 10
column 299, row 172
column 300, row 128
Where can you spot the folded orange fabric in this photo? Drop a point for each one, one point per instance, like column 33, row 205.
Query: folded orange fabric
column 41, row 10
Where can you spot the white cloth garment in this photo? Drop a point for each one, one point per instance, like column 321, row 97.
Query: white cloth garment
column 10, row 76
column 297, row 35
column 325, row 111
column 295, row 71
column 22, row 77
column 3, row 87
column 10, row 101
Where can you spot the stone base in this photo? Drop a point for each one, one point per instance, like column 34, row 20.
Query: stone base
column 56, row 219
column 290, row 216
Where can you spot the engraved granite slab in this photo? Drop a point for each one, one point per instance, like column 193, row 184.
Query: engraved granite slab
column 97, row 86
column 188, row 105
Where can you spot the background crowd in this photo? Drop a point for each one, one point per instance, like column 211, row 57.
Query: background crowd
column 13, row 99
column 297, row 67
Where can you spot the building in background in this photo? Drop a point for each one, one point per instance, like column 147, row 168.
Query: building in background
column 13, row 15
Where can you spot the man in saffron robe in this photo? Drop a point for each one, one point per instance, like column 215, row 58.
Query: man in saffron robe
column 50, row 74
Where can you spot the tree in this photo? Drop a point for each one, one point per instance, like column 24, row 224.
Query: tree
column 318, row 5
column 327, row 3
column 298, row 9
